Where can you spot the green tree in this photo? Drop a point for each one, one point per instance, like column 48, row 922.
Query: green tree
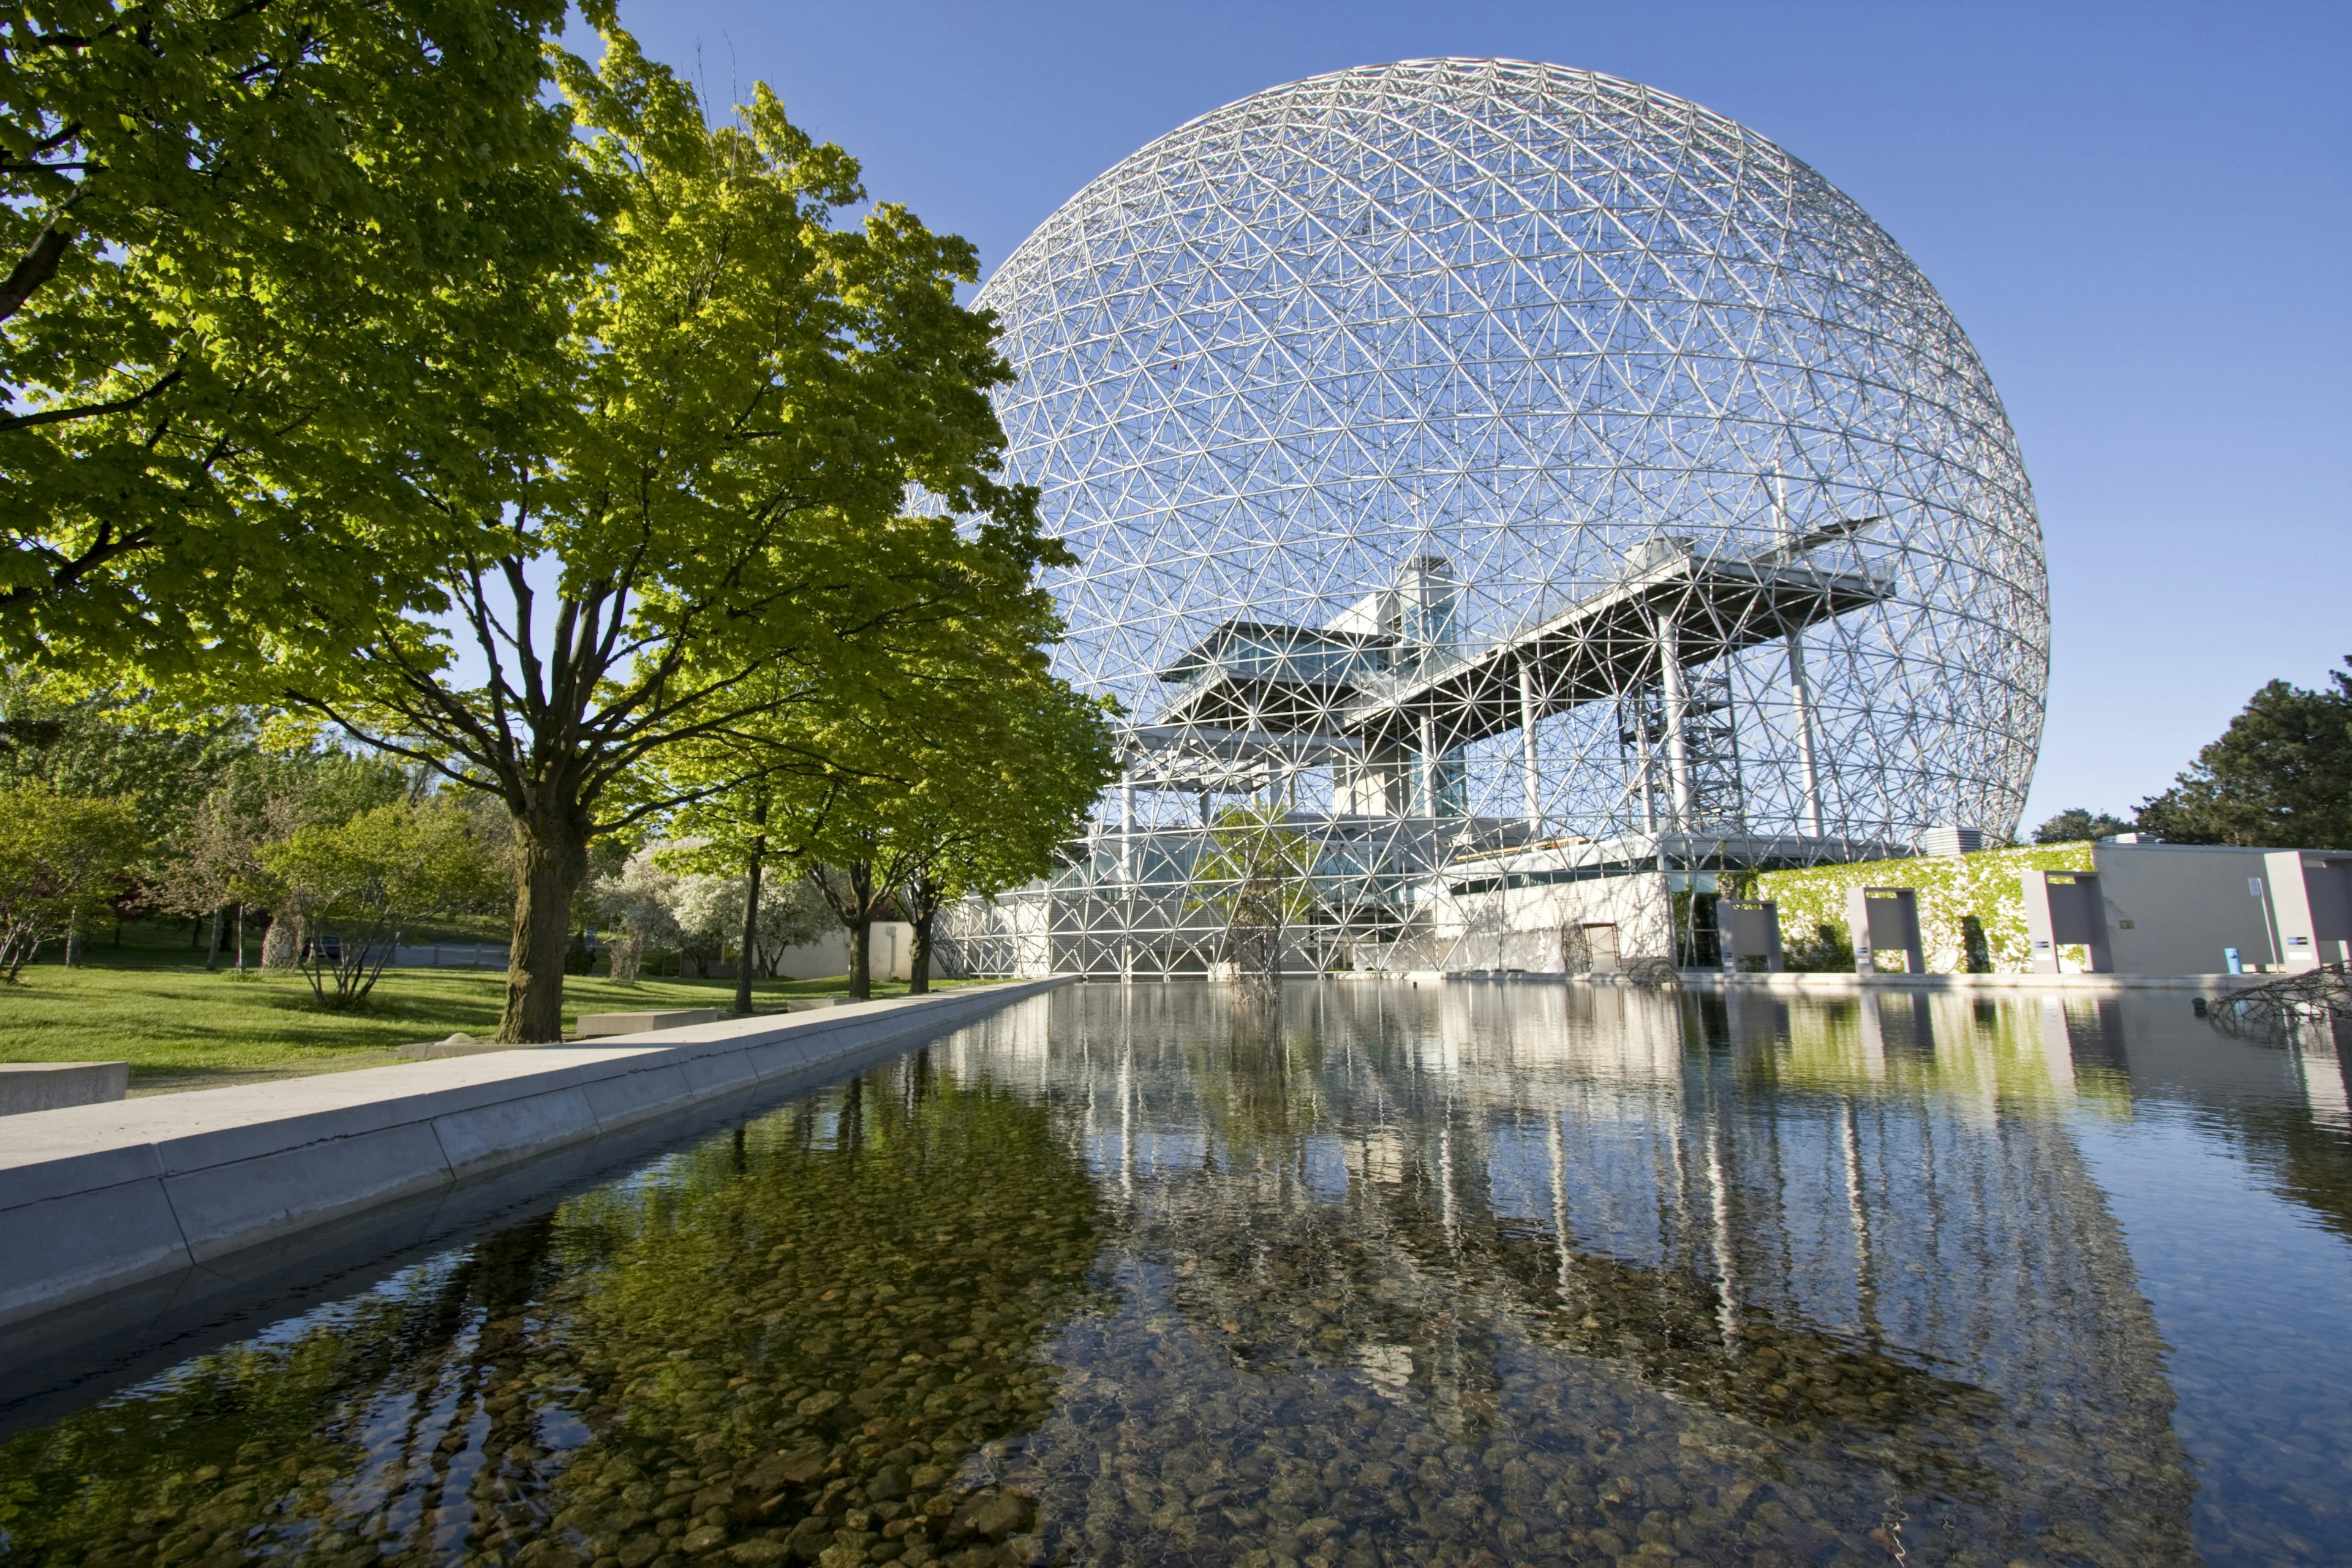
column 259, row 261
column 712, row 525
column 2076, row 824
column 356, row 883
column 1257, row 875
column 859, row 888
column 1007, row 794
column 700, row 894
column 736, row 793
column 62, row 858
column 972, row 780
column 211, row 858
column 117, row 743
column 2281, row 774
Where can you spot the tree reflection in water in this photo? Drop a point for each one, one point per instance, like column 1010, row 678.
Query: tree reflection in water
column 781, row 1343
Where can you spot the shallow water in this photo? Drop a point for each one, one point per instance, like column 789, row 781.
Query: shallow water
column 1474, row 1273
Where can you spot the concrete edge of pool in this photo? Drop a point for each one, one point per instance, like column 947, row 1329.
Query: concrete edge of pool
column 94, row 1199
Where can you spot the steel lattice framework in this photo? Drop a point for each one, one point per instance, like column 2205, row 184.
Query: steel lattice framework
column 1477, row 462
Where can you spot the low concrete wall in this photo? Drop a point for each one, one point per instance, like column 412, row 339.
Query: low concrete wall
column 46, row 1086
column 97, row 1197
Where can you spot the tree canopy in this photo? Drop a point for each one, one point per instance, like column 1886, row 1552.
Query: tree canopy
column 974, row 778
column 710, row 526
column 261, row 263
column 1258, row 877
column 110, row 743
column 2076, row 824
column 631, row 471
column 2281, row 774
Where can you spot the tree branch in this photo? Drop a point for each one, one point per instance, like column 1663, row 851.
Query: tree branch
column 69, row 574
column 88, row 410
column 35, row 267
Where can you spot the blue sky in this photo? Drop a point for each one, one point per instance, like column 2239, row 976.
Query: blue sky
column 2139, row 213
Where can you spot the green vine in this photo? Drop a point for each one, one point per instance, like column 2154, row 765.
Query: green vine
column 1956, row 893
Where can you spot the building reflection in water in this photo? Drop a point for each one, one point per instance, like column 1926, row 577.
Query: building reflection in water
column 1547, row 1271
column 1488, row 1272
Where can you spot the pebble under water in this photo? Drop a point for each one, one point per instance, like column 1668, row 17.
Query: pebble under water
column 1473, row 1273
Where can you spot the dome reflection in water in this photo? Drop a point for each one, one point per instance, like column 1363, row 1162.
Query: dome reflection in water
column 1476, row 1273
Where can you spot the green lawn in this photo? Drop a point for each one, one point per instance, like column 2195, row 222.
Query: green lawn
column 180, row 1027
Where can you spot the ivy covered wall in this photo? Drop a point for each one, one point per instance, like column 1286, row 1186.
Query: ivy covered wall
column 1952, row 888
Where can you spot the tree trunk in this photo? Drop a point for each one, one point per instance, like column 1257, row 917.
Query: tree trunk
column 240, row 939
column 923, row 904
column 752, row 911
column 212, row 954
column 861, row 930
column 554, row 844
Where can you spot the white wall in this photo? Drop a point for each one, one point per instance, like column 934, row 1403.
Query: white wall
column 890, row 954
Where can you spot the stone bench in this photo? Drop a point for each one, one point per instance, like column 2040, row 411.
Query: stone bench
column 596, row 1026
column 46, row 1086
column 454, row 1046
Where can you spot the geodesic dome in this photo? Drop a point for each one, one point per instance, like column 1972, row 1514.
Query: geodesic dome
column 1464, row 455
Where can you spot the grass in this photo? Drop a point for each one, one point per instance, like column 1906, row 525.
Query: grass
column 151, row 1003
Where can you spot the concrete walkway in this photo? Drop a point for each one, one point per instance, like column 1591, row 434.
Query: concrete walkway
column 94, row 1199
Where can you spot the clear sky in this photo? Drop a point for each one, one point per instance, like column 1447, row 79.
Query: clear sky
column 2142, row 213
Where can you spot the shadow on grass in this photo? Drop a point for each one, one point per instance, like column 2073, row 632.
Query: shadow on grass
column 172, row 1078
column 183, row 1024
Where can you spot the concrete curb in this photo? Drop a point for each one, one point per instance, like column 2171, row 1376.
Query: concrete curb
column 1836, row 985
column 97, row 1197
column 1850, row 985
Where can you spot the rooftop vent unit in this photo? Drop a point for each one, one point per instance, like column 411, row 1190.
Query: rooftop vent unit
column 1949, row 839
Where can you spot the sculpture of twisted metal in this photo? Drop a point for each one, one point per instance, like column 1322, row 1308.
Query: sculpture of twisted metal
column 2317, row 999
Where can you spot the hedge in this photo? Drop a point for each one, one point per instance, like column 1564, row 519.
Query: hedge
column 1952, row 887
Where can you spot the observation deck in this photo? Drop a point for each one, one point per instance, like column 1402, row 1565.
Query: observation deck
column 1255, row 676
column 1684, row 611
column 1187, row 760
column 1673, row 611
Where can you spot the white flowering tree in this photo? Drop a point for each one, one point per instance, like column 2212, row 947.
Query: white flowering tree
column 658, row 899
column 634, row 902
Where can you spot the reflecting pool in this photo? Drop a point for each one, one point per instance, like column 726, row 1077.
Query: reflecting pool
column 1483, row 1272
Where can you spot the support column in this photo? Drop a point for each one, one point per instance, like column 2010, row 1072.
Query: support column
column 1528, row 739
column 1428, row 763
column 1126, row 827
column 1642, row 740
column 1803, row 704
column 1678, row 773
column 1800, row 698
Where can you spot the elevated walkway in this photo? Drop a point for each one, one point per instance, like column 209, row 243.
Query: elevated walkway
column 1686, row 610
